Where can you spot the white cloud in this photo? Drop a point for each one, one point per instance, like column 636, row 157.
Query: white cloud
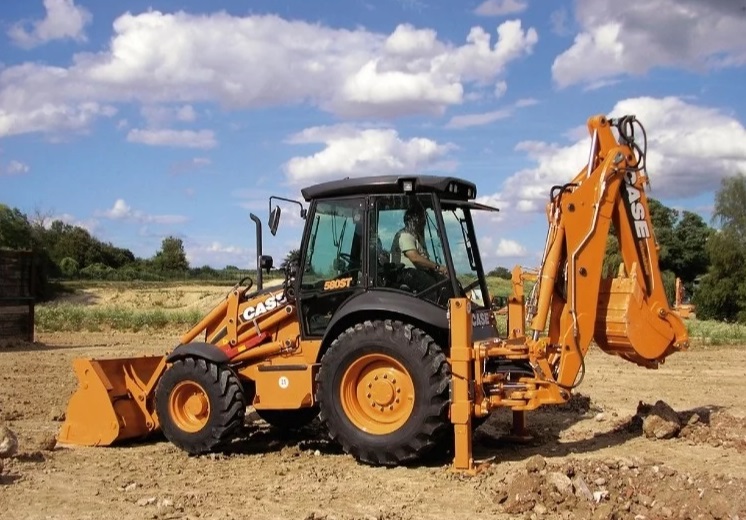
column 15, row 168
column 259, row 61
column 357, row 152
column 690, row 149
column 645, row 34
column 218, row 255
column 158, row 116
column 509, row 249
column 484, row 118
column 170, row 137
column 123, row 211
column 63, row 20
column 47, row 117
column 500, row 7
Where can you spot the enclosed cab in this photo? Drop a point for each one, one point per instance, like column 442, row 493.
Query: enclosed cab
column 352, row 263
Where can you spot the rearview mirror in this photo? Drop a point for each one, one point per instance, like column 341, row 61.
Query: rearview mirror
column 266, row 262
column 274, row 220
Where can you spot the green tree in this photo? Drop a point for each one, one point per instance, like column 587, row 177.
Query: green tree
column 15, row 229
column 690, row 259
column 682, row 238
column 722, row 292
column 292, row 257
column 501, row 272
column 171, row 256
column 69, row 267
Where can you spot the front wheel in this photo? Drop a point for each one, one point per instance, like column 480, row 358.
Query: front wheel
column 200, row 404
column 383, row 392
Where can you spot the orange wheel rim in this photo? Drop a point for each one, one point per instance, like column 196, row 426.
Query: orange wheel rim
column 377, row 394
column 189, row 406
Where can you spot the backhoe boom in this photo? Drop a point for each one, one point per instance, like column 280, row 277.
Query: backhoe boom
column 573, row 303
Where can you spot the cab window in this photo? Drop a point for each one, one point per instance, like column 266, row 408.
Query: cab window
column 333, row 253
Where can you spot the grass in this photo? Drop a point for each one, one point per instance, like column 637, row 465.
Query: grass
column 76, row 317
column 709, row 332
column 70, row 317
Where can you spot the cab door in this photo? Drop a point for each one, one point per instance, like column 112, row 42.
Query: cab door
column 332, row 261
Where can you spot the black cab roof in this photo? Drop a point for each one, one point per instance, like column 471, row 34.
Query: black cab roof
column 450, row 187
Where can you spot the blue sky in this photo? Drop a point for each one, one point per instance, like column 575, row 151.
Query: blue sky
column 182, row 117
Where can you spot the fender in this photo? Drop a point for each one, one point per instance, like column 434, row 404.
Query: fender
column 204, row 351
column 391, row 302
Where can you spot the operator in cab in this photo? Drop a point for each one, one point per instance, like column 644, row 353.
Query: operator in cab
column 408, row 248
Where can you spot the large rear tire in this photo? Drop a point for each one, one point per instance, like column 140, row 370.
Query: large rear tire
column 383, row 392
column 200, row 404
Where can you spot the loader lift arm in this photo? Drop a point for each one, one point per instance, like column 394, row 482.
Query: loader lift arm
column 572, row 303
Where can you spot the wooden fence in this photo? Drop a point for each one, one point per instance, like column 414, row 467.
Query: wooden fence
column 17, row 275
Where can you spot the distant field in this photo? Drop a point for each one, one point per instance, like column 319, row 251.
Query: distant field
column 134, row 306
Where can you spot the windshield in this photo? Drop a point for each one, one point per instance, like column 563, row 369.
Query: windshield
column 334, row 247
column 459, row 232
column 410, row 248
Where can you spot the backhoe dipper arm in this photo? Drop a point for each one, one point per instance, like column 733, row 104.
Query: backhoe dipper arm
column 628, row 316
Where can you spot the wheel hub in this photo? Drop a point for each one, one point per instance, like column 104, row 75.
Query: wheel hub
column 189, row 406
column 196, row 405
column 381, row 393
column 377, row 394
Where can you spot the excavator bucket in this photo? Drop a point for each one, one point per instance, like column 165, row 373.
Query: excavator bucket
column 113, row 401
column 629, row 326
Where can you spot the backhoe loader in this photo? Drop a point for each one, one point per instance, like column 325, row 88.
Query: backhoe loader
column 390, row 355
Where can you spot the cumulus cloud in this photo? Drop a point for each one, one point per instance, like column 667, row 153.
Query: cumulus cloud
column 47, row 116
column 259, row 61
column 123, row 211
column 690, row 149
column 15, row 168
column 63, row 20
column 507, row 248
column 645, row 34
column 357, row 152
column 500, row 7
column 171, row 137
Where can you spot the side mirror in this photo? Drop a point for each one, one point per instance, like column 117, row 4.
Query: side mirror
column 274, row 220
column 266, row 262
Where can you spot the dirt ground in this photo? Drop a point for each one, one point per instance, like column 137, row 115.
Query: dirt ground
column 588, row 459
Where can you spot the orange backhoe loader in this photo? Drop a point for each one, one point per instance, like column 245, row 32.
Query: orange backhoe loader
column 389, row 354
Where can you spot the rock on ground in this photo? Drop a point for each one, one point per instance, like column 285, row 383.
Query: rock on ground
column 662, row 422
column 8, row 442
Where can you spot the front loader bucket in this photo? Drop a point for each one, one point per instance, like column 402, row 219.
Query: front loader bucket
column 113, row 401
column 635, row 328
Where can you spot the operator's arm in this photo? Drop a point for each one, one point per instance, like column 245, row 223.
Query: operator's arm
column 408, row 246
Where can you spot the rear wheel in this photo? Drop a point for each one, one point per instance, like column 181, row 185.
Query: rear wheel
column 289, row 419
column 383, row 392
column 200, row 404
